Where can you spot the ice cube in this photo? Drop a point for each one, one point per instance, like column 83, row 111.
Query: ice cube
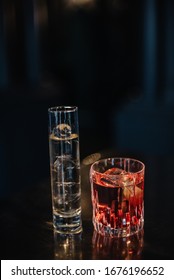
column 127, row 182
column 66, row 169
column 62, row 131
column 133, row 191
column 114, row 171
column 107, row 182
column 111, row 176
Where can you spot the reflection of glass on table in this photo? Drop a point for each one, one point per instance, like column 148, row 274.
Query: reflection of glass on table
column 67, row 247
column 126, row 248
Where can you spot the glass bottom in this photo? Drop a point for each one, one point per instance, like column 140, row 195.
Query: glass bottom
column 67, row 225
column 125, row 248
column 106, row 230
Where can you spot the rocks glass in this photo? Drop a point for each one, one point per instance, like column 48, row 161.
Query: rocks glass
column 117, row 190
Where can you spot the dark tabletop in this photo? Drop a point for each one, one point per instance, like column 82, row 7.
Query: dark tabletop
column 27, row 232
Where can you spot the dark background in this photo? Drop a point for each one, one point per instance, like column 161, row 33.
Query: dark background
column 114, row 59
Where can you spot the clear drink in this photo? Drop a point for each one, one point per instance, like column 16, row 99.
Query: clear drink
column 65, row 179
column 118, row 200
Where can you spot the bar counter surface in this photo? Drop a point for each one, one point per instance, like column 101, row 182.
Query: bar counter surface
column 26, row 220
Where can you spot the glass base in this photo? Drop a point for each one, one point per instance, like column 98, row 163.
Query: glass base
column 118, row 232
column 67, row 225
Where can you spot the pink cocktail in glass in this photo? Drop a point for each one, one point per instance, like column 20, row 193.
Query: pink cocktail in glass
column 117, row 191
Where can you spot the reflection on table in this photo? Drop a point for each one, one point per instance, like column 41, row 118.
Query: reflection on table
column 72, row 247
column 68, row 246
column 126, row 248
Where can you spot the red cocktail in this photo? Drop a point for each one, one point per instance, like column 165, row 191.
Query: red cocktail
column 117, row 186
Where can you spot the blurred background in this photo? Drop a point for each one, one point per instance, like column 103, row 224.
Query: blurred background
column 114, row 59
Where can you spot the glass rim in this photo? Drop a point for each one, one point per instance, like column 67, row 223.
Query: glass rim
column 118, row 158
column 63, row 108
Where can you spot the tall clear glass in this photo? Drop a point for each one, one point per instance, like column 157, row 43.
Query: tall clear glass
column 65, row 169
